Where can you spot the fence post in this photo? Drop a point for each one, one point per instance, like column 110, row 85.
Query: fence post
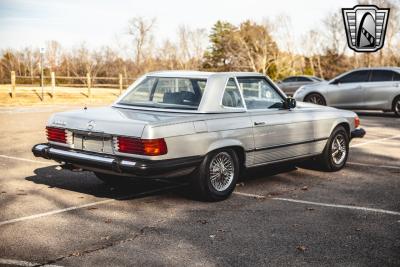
column 53, row 84
column 13, row 94
column 120, row 84
column 89, row 85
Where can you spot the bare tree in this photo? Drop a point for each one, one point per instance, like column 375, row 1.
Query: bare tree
column 53, row 54
column 192, row 44
column 284, row 58
column 31, row 60
column 335, row 39
column 168, row 55
column 140, row 30
column 312, row 48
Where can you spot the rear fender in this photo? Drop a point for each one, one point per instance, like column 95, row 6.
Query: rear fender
column 224, row 143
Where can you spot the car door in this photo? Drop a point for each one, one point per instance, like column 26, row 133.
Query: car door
column 279, row 134
column 348, row 91
column 378, row 92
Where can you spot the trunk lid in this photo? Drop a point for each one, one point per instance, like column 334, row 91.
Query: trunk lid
column 110, row 120
column 93, row 129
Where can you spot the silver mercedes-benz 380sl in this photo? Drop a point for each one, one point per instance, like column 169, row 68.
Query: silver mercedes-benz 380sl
column 205, row 126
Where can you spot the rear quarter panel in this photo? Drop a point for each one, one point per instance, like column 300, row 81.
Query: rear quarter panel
column 197, row 138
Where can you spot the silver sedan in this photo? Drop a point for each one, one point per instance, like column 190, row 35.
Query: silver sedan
column 365, row 88
column 290, row 84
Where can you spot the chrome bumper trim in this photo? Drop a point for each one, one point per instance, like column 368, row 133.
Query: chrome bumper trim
column 115, row 164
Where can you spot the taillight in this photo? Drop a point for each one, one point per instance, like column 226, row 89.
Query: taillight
column 356, row 122
column 56, row 135
column 148, row 147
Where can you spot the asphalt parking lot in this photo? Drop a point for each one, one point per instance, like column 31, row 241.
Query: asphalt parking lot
column 276, row 216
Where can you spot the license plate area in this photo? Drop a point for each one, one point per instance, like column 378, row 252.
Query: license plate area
column 93, row 143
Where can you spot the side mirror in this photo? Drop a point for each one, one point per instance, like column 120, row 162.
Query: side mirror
column 337, row 81
column 290, row 103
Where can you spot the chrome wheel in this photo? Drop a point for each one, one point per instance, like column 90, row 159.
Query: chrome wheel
column 222, row 171
column 316, row 99
column 339, row 149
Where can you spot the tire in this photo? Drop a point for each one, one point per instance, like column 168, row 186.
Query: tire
column 333, row 158
column 113, row 180
column 315, row 98
column 396, row 106
column 224, row 182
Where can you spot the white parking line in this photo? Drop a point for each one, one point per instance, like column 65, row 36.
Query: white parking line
column 338, row 206
column 375, row 141
column 249, row 195
column 375, row 166
column 23, row 159
column 40, row 215
column 319, row 203
column 24, row 263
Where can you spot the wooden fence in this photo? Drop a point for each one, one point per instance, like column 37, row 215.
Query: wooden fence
column 88, row 81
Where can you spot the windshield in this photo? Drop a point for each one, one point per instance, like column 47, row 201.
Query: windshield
column 173, row 93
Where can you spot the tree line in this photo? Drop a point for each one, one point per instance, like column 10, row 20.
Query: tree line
column 268, row 47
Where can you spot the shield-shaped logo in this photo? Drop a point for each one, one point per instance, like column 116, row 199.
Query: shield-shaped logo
column 365, row 27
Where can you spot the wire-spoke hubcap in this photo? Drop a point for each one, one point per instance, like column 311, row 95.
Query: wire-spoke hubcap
column 339, row 149
column 221, row 171
column 316, row 99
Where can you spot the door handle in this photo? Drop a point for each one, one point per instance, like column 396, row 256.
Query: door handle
column 259, row 123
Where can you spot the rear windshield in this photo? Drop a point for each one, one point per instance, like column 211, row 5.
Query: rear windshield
column 173, row 93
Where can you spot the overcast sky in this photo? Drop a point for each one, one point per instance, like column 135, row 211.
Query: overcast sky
column 100, row 22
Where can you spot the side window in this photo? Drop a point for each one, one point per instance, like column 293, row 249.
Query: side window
column 259, row 94
column 355, row 77
column 232, row 97
column 289, row 79
column 396, row 76
column 381, row 76
column 303, row 79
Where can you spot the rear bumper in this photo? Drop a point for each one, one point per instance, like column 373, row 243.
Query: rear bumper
column 116, row 165
column 358, row 133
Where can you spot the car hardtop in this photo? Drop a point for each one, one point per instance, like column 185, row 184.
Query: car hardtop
column 213, row 92
column 199, row 74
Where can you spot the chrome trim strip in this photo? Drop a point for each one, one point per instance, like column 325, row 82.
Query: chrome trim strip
column 78, row 155
column 288, row 144
column 283, row 160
